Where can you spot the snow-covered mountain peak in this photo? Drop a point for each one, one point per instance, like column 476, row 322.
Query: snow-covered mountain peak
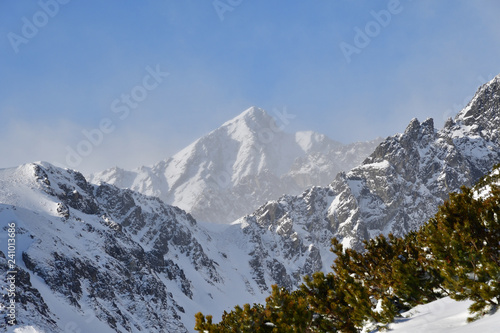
column 413, row 126
column 38, row 177
column 242, row 164
column 428, row 124
column 253, row 127
column 416, row 129
column 250, row 117
column 483, row 109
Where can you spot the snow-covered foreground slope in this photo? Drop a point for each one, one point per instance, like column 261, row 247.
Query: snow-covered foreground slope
column 244, row 163
column 443, row 315
column 98, row 258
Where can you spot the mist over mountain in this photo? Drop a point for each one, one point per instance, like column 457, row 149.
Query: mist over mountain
column 239, row 166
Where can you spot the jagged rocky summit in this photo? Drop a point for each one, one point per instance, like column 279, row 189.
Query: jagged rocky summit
column 401, row 184
column 249, row 160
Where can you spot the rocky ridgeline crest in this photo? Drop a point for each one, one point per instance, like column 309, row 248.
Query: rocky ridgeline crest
column 401, row 184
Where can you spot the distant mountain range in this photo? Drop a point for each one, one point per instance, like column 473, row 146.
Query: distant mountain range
column 231, row 171
column 95, row 257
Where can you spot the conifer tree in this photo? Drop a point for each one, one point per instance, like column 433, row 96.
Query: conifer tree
column 463, row 239
column 284, row 311
column 414, row 280
column 327, row 298
column 349, row 268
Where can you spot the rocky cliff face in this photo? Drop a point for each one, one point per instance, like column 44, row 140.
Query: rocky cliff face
column 110, row 260
column 247, row 161
column 104, row 252
column 400, row 185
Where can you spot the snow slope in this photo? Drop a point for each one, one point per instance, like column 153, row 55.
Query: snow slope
column 443, row 315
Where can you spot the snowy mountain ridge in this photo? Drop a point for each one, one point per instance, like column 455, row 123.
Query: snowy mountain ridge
column 111, row 260
column 401, row 184
column 244, row 163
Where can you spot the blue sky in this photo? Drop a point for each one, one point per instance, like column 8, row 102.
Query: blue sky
column 418, row 59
